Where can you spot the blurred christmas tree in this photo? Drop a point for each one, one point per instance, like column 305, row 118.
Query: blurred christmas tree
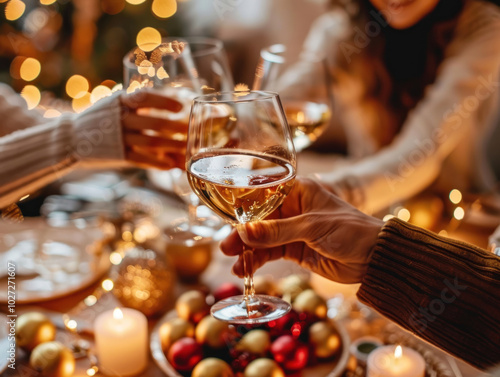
column 45, row 43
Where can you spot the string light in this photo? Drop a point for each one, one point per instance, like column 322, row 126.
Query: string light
column 30, row 69
column 77, row 86
column 455, row 196
column 90, row 300
column 115, row 258
column 31, row 95
column 404, row 214
column 81, row 103
column 148, row 39
column 99, row 92
column 164, row 8
column 14, row 9
column 107, row 285
column 459, row 213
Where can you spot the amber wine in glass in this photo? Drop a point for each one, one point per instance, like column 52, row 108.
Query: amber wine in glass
column 243, row 178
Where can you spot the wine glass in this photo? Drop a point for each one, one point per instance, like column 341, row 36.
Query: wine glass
column 241, row 163
column 304, row 89
column 192, row 66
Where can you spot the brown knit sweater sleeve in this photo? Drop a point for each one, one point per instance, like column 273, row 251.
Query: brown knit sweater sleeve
column 445, row 291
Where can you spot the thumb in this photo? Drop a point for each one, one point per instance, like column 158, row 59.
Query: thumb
column 270, row 233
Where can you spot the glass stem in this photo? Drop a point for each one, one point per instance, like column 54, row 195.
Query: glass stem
column 249, row 291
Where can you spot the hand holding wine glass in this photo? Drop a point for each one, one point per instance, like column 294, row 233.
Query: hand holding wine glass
column 242, row 168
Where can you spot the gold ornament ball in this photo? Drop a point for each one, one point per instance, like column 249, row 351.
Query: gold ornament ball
column 190, row 261
column 324, row 338
column 32, row 329
column 173, row 330
column 255, row 342
column 192, row 306
column 53, row 359
column 311, row 303
column 145, row 281
column 264, row 285
column 212, row 367
column 211, row 331
column 293, row 285
column 263, row 368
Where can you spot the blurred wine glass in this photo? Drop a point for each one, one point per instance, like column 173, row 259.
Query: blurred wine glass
column 304, row 90
column 182, row 68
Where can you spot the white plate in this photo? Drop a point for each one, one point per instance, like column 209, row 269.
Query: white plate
column 50, row 262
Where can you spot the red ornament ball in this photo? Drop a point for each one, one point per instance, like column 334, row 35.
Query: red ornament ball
column 184, row 354
column 290, row 353
column 227, row 290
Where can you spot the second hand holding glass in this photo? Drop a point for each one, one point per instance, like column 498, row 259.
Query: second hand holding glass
column 242, row 169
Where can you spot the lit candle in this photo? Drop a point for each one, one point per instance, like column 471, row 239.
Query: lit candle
column 392, row 361
column 121, row 337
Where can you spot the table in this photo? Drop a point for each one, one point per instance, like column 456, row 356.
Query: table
column 219, row 272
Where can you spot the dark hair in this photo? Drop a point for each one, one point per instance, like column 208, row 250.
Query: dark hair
column 395, row 66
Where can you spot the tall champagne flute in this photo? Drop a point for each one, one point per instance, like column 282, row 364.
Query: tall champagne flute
column 242, row 174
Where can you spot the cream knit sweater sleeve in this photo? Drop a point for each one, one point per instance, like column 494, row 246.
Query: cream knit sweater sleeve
column 35, row 151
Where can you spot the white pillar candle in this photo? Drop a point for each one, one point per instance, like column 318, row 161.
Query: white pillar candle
column 121, row 337
column 395, row 361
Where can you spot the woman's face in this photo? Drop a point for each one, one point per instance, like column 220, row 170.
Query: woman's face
column 402, row 14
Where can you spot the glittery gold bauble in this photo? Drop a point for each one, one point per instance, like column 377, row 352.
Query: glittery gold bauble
column 53, row 359
column 293, row 285
column 264, row 285
column 145, row 281
column 192, row 306
column 32, row 329
column 212, row 367
column 311, row 303
column 255, row 341
column 173, row 330
column 190, row 261
column 325, row 339
column 212, row 332
column 263, row 368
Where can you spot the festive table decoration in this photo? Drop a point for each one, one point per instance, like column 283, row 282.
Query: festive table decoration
column 212, row 367
column 121, row 337
column 395, row 361
column 52, row 359
column 192, row 306
column 293, row 285
column 144, row 281
column 32, row 329
column 301, row 339
column 190, row 259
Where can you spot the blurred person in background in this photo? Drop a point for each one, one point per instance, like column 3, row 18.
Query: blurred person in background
column 415, row 92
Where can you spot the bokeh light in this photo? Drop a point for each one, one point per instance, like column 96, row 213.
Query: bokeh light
column 31, row 95
column 135, row 2
column 107, row 285
column 459, row 213
column 51, row 113
column 404, row 214
column 81, row 103
column 30, row 69
column 77, row 86
column 14, row 9
column 47, row 2
column 148, row 39
column 99, row 92
column 164, row 8
column 455, row 196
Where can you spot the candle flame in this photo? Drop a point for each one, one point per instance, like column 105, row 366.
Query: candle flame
column 398, row 352
column 117, row 314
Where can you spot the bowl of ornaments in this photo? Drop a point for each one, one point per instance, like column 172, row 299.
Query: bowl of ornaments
column 188, row 342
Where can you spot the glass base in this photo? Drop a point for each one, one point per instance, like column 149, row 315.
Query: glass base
column 259, row 309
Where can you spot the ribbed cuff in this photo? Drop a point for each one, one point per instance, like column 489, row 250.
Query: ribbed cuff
column 98, row 132
column 445, row 291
